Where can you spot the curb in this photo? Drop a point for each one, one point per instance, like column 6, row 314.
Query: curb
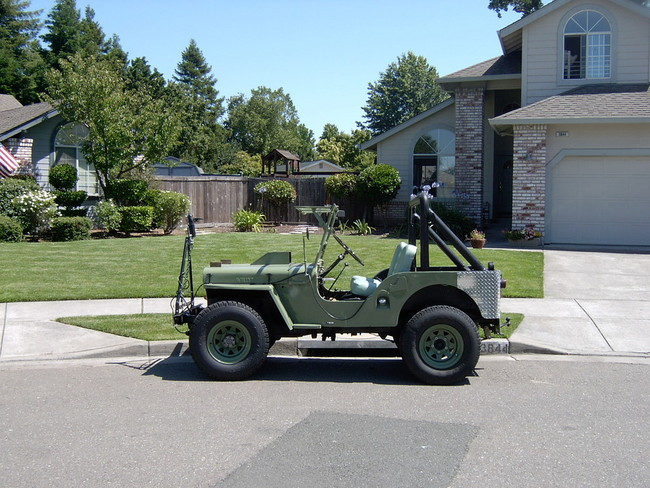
column 293, row 347
column 283, row 347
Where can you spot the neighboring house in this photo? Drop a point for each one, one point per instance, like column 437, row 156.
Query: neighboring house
column 175, row 167
column 554, row 133
column 39, row 138
column 321, row 167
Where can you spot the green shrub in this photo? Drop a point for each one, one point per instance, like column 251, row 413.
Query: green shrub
column 169, row 208
column 35, row 210
column 69, row 199
column 378, row 184
column 63, row 177
column 248, row 220
column 10, row 188
column 276, row 192
column 71, row 228
column 342, row 185
column 135, row 219
column 362, row 227
column 459, row 223
column 126, row 192
column 108, row 215
column 10, row 229
column 74, row 212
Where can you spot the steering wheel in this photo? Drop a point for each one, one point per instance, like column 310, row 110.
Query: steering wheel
column 348, row 250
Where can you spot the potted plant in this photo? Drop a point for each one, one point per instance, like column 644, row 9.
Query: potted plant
column 477, row 239
column 527, row 236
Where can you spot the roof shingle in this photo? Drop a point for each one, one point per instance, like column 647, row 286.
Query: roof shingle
column 509, row 64
column 13, row 118
column 600, row 101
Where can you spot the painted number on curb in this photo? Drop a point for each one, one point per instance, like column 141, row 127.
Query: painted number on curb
column 501, row 347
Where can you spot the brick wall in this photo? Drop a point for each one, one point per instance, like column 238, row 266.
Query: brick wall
column 21, row 149
column 470, row 116
column 391, row 213
column 529, row 177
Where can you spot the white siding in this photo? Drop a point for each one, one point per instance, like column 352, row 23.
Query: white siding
column 398, row 149
column 43, row 136
column 596, row 136
column 542, row 48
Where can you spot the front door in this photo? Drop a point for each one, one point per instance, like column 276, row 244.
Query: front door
column 503, row 186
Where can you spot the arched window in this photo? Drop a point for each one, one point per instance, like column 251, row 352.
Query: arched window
column 67, row 150
column 587, row 46
column 434, row 161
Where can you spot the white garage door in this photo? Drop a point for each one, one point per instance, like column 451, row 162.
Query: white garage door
column 599, row 200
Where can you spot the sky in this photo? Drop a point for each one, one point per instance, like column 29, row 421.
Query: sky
column 323, row 53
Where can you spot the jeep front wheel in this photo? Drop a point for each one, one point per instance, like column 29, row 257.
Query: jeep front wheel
column 440, row 345
column 229, row 341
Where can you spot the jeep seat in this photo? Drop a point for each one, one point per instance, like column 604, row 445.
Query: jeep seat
column 402, row 261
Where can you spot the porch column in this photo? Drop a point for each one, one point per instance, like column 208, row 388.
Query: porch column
column 470, row 130
column 529, row 177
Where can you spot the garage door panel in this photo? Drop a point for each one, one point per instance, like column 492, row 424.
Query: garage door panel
column 599, row 200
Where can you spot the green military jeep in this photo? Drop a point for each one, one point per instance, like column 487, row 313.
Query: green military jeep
column 431, row 313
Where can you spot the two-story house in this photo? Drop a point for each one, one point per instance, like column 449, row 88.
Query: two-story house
column 554, row 133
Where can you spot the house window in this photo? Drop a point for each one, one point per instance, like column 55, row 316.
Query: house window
column 587, row 46
column 67, row 150
column 434, row 161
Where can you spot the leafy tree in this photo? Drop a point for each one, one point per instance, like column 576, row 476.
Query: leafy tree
column 21, row 65
column 244, row 164
column 343, row 149
column 330, row 131
column 524, row 7
column 378, row 184
column 128, row 129
column 407, row 88
column 202, row 135
column 268, row 120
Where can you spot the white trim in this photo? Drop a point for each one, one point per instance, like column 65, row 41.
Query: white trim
column 495, row 122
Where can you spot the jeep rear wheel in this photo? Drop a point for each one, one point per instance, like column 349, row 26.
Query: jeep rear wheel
column 440, row 345
column 229, row 341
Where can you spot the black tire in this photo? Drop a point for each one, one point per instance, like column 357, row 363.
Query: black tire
column 440, row 345
column 229, row 341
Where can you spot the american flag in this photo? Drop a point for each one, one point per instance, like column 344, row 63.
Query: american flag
column 8, row 163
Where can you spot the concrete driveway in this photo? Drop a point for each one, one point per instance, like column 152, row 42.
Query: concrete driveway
column 595, row 303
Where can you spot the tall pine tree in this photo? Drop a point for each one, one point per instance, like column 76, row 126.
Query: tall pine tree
column 203, row 137
column 21, row 65
column 68, row 34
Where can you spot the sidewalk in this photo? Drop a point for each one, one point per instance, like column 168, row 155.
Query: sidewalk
column 596, row 304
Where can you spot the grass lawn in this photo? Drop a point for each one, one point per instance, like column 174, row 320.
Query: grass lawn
column 148, row 266
column 158, row 327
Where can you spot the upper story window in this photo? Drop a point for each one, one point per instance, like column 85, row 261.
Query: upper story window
column 587, row 46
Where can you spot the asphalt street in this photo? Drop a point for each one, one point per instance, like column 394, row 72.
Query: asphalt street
column 520, row 421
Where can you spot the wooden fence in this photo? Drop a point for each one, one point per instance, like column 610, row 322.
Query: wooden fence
column 216, row 198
